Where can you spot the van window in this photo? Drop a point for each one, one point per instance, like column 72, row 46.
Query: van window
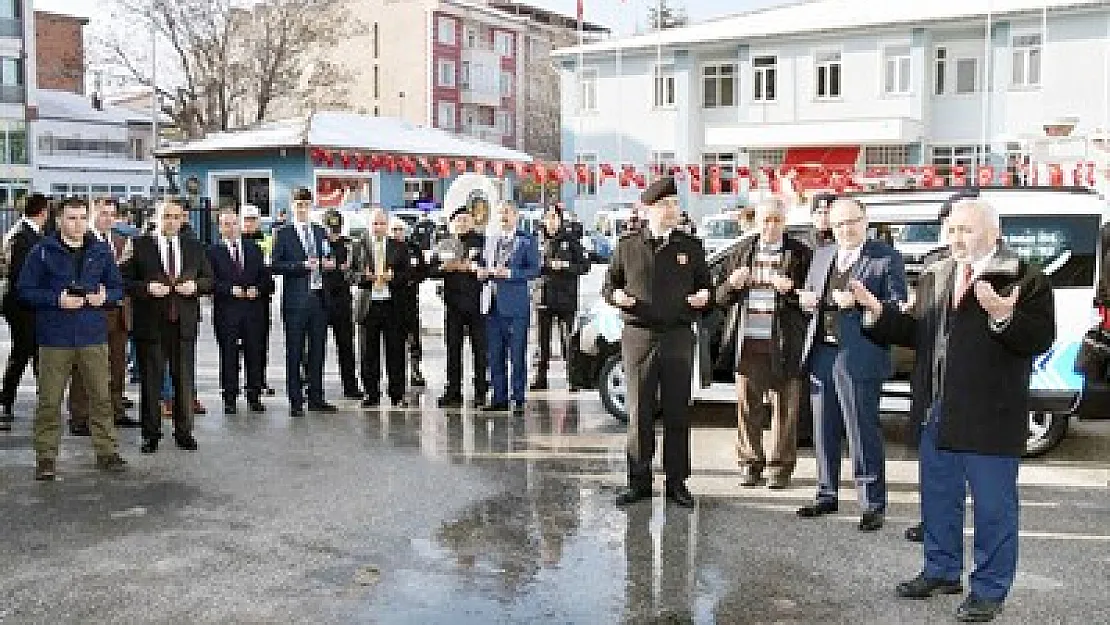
column 927, row 232
column 722, row 229
column 1063, row 246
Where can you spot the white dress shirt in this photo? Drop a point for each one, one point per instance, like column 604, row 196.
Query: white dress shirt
column 846, row 258
column 163, row 249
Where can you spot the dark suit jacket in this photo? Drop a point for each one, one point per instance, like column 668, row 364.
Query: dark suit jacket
column 287, row 259
column 145, row 266
column 789, row 325
column 362, row 258
column 984, row 387
column 20, row 244
column 882, row 271
column 513, row 296
column 226, row 274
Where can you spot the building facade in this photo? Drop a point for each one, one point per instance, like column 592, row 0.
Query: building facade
column 836, row 83
column 480, row 68
column 60, row 49
column 17, row 99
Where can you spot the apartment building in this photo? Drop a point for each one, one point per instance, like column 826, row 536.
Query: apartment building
column 837, row 83
column 60, row 49
column 17, row 99
column 481, row 68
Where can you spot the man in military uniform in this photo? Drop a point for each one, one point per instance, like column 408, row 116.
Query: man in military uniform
column 659, row 279
column 456, row 261
column 424, row 233
column 408, row 297
column 563, row 261
column 340, row 303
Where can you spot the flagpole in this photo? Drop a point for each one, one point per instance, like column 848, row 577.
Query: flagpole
column 981, row 152
column 620, row 117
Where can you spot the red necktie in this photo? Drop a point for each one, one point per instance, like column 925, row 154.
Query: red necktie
column 963, row 283
column 171, row 266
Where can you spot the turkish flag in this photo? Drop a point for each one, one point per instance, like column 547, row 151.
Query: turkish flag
column 480, row 167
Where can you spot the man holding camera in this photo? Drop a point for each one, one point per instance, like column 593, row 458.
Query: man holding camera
column 68, row 279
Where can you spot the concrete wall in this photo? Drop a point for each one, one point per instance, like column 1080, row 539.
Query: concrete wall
column 60, row 47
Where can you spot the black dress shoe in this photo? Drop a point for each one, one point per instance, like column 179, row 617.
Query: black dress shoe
column 185, row 441
column 322, row 406
column 750, row 479
column 256, row 405
column 150, row 445
column 127, row 422
column 501, row 406
column 268, row 391
column 631, row 495
column 450, row 401
column 370, row 402
column 80, row 429
column 573, row 389
column 922, row 587
column 817, row 509
column 518, row 407
column 977, row 610
column 680, row 495
column 128, row 403
column 871, row 522
column 399, row 402
column 5, row 425
column 296, row 411
column 417, row 379
column 915, row 533
column 230, row 407
column 353, row 395
column 539, row 385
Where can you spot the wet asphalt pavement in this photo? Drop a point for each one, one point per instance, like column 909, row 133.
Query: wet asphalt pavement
column 426, row 516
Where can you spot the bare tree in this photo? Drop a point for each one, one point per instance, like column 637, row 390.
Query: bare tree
column 231, row 60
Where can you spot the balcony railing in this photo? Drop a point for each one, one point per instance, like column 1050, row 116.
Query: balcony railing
column 11, row 27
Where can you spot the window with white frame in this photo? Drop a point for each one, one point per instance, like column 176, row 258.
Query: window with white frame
column 886, row 155
column 470, row 36
column 726, row 161
column 940, row 71
column 718, row 85
column 898, row 71
column 446, row 74
column 946, row 157
column 445, row 27
column 503, row 43
column 504, row 122
column 445, row 116
column 828, row 67
column 464, row 75
column 587, row 90
column 967, row 75
column 1026, row 61
column 766, row 157
column 662, row 162
column 506, row 84
column 664, row 86
column 764, row 77
column 590, row 187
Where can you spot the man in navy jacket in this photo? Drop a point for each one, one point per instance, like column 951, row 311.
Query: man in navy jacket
column 68, row 278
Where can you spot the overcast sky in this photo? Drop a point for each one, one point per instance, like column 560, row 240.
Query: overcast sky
column 623, row 16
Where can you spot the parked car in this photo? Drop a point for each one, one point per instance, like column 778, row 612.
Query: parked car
column 1058, row 228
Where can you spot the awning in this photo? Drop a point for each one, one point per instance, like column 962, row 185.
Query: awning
column 843, row 157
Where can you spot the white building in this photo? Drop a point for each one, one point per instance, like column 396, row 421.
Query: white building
column 17, row 98
column 86, row 149
column 840, row 83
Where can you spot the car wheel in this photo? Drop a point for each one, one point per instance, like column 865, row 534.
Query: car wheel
column 1046, row 430
column 613, row 387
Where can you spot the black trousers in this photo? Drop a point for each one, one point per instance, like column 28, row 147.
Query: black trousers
column 548, row 317
column 179, row 353
column 657, row 365
column 341, row 319
column 457, row 324
column 410, row 317
column 24, row 351
column 240, row 335
column 382, row 329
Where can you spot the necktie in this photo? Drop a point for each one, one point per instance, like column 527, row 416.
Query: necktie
column 379, row 256
column 309, row 244
column 171, row 269
column 963, row 283
column 236, row 257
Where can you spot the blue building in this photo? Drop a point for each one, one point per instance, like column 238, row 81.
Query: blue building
column 348, row 160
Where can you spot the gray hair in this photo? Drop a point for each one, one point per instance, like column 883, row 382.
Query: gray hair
column 984, row 209
column 847, row 201
column 769, row 204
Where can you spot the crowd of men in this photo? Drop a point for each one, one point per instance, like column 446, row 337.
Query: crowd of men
column 809, row 321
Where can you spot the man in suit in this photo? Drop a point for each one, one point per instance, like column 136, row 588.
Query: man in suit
column 68, row 278
column 21, row 316
column 341, row 316
column 762, row 343
column 251, row 220
column 979, row 319
column 659, row 279
column 165, row 276
column 240, row 278
column 104, row 215
column 301, row 254
column 380, row 266
column 408, row 298
column 846, row 368
column 512, row 260
column 457, row 260
column 564, row 261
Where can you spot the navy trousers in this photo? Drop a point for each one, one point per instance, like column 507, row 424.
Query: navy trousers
column 507, row 338
column 944, row 478
column 308, row 324
column 843, row 407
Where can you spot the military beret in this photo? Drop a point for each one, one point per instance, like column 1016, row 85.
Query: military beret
column 333, row 220
column 459, row 211
column 301, row 193
column 662, row 188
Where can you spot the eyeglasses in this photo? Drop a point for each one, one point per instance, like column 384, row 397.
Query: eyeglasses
column 397, row 229
column 846, row 223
